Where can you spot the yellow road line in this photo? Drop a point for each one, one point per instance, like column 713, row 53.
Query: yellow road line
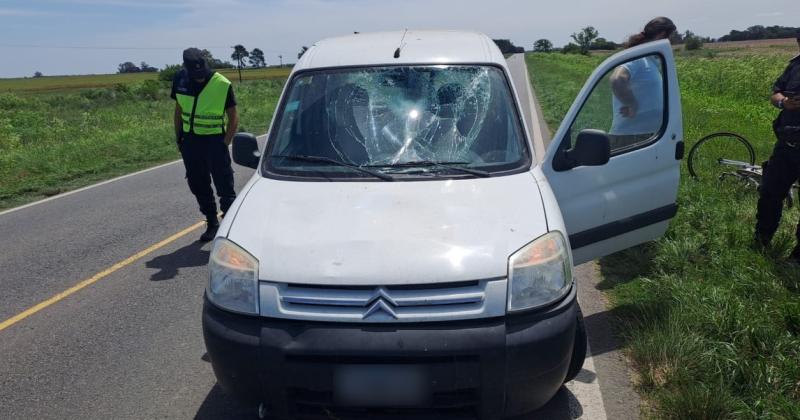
column 95, row 278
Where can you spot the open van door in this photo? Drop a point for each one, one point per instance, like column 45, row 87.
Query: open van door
column 614, row 164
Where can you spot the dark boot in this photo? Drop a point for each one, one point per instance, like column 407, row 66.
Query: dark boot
column 212, row 224
column 761, row 241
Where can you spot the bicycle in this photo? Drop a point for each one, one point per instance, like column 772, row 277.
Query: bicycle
column 726, row 155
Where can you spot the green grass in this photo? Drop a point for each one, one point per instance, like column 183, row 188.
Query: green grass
column 56, row 141
column 711, row 325
column 60, row 83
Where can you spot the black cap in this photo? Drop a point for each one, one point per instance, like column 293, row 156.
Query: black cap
column 195, row 63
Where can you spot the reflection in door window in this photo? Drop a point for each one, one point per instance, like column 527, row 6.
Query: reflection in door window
column 628, row 104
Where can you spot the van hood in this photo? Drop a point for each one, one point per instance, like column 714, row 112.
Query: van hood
column 384, row 233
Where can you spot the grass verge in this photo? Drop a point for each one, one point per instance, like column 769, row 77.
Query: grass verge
column 711, row 325
column 55, row 142
column 67, row 83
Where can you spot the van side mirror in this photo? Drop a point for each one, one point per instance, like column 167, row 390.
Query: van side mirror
column 592, row 148
column 245, row 150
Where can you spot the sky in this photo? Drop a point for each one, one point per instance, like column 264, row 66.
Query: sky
column 93, row 36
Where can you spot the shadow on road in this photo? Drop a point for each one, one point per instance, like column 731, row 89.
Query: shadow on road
column 626, row 265
column 218, row 405
column 605, row 329
column 563, row 406
column 191, row 255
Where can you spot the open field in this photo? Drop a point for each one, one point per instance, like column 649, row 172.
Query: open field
column 712, row 326
column 51, row 142
column 54, row 83
column 790, row 43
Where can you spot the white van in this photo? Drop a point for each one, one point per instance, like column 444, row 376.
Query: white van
column 401, row 249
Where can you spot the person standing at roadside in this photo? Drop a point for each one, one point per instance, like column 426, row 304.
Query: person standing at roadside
column 638, row 88
column 203, row 98
column 782, row 169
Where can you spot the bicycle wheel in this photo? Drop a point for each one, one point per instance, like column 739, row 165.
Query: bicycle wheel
column 716, row 155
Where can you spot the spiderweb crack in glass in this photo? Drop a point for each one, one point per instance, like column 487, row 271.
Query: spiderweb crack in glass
column 379, row 116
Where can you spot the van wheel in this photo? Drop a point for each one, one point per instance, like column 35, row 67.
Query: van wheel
column 578, row 349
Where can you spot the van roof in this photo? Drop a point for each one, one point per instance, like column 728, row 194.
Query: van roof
column 418, row 47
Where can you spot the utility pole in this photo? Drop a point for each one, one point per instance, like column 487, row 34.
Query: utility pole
column 281, row 57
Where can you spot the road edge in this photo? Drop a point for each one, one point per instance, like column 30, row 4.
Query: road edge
column 260, row 138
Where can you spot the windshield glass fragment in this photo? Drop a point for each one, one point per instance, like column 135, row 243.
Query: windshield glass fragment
column 380, row 117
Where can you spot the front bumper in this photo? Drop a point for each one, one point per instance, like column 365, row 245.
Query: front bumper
column 486, row 369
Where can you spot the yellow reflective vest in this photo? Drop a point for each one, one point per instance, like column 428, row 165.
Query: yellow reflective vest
column 204, row 114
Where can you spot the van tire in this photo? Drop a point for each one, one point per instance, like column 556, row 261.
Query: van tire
column 578, row 349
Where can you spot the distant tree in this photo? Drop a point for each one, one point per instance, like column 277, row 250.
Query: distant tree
column 692, row 41
column 603, row 44
column 543, row 45
column 508, row 47
column 676, row 38
column 207, row 55
column 128, row 67
column 585, row 38
column 215, row 63
column 257, row 58
column 167, row 74
column 302, row 51
column 571, row 48
column 239, row 54
column 37, row 74
column 146, row 68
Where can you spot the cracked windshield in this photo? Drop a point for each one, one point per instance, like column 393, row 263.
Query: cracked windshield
column 457, row 120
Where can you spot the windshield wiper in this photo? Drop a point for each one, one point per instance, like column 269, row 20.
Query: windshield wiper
column 307, row 158
column 436, row 164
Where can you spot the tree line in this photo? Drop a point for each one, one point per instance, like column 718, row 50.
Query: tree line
column 241, row 56
column 129, row 67
column 588, row 39
column 760, row 32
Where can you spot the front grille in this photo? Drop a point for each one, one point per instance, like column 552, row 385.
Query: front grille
column 384, row 304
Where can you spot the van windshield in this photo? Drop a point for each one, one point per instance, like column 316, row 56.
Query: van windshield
column 455, row 121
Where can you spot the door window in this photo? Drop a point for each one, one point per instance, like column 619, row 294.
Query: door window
column 628, row 103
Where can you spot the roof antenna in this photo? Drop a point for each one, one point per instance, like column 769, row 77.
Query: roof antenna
column 397, row 51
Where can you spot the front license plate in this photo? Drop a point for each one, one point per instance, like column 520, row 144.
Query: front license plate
column 380, row 386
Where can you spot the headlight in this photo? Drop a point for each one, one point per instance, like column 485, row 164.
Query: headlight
column 234, row 278
column 539, row 273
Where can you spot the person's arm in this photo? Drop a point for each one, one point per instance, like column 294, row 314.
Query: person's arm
column 233, row 124
column 779, row 100
column 178, row 121
column 621, row 86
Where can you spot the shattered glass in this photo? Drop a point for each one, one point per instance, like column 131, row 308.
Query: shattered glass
column 384, row 116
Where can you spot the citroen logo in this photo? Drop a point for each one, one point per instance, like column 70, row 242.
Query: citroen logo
column 380, row 303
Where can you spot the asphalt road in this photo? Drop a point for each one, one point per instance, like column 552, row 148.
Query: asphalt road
column 129, row 343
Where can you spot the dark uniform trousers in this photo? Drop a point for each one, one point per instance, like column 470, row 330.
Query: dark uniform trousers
column 205, row 158
column 780, row 172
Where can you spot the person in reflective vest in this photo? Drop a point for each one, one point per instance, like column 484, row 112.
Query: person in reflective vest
column 203, row 100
